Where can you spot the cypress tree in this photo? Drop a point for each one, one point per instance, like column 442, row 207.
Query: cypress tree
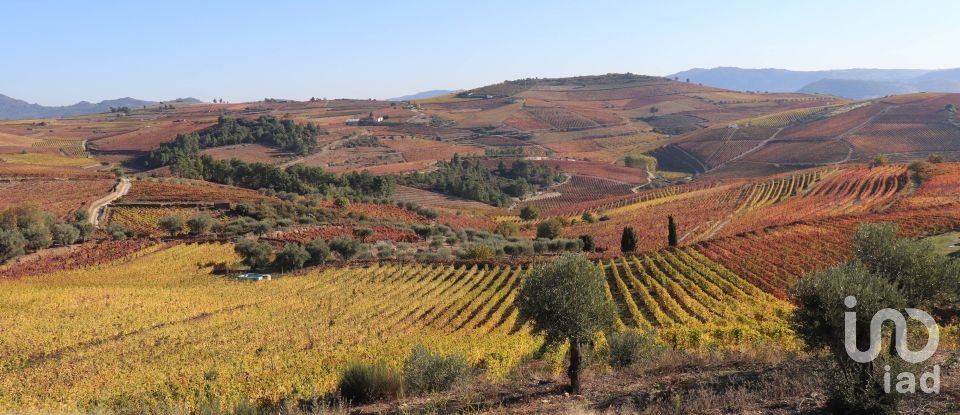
column 628, row 242
column 671, row 231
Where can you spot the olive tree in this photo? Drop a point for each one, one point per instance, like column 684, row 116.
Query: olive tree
column 566, row 301
column 171, row 224
column 888, row 272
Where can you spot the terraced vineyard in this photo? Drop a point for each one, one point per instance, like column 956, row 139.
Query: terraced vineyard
column 145, row 220
column 773, row 191
column 782, row 119
column 848, row 191
column 694, row 302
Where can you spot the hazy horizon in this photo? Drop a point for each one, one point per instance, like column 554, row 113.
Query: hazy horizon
column 63, row 54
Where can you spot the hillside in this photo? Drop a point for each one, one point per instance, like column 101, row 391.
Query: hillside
column 847, row 83
column 12, row 109
column 902, row 127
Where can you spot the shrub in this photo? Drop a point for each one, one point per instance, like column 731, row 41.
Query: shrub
column 292, row 256
column 118, row 231
column 64, row 234
column 342, row 203
column 631, row 347
column 935, row 158
column 479, row 252
column 362, row 233
column 171, row 224
column 588, row 244
column 363, row 383
column 261, row 227
column 588, row 217
column 200, row 224
column 549, row 229
column 255, row 254
column 37, row 235
column 507, row 229
column 319, row 251
column 426, row 372
column 348, row 248
column 529, row 212
column 12, row 244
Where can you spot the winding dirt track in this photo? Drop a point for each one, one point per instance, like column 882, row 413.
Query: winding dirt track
column 96, row 208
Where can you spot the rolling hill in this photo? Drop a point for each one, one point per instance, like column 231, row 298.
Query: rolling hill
column 13, row 109
column 902, row 127
column 847, row 83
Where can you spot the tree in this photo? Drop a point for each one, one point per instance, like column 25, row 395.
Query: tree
column 566, row 301
column 529, row 212
column 628, row 242
column 671, row 231
column 291, row 257
column 319, row 251
column 935, row 158
column 423, row 231
column 81, row 221
column 362, row 233
column 255, row 255
column 118, row 231
column 65, row 234
column 37, row 235
column 549, row 229
column 588, row 217
column 12, row 244
column 588, row 244
column 262, row 227
column 346, row 247
column 888, row 272
column 200, row 224
column 342, row 203
column 171, row 224
column 654, row 110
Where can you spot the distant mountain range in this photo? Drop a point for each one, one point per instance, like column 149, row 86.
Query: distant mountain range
column 847, row 83
column 424, row 95
column 13, row 109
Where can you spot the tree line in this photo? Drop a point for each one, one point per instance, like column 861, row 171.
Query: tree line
column 469, row 179
column 28, row 228
column 294, row 179
column 284, row 134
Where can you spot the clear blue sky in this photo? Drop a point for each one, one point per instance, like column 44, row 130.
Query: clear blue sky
column 57, row 53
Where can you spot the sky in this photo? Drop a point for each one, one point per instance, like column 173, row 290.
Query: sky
column 61, row 52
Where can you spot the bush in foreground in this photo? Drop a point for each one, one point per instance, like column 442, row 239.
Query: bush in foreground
column 426, row 372
column 631, row 347
column 362, row 383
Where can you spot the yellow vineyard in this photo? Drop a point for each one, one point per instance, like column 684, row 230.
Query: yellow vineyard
column 160, row 327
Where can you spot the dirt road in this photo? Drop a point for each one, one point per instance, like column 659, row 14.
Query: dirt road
column 96, row 208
